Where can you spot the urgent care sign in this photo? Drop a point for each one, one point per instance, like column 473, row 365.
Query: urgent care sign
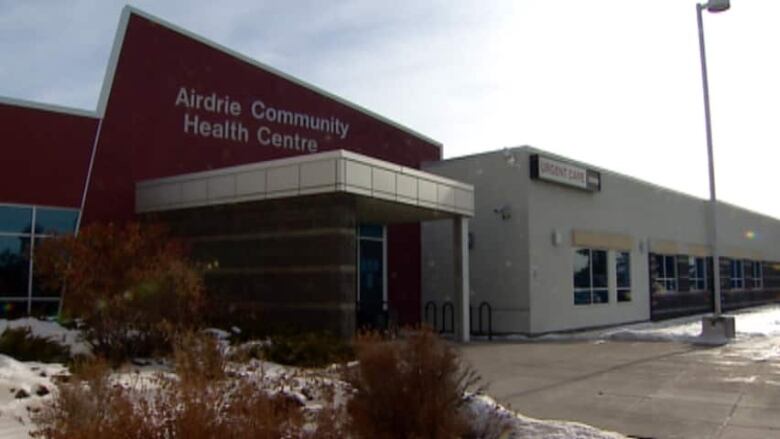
column 175, row 103
column 567, row 174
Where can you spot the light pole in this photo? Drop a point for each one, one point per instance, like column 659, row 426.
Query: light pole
column 717, row 326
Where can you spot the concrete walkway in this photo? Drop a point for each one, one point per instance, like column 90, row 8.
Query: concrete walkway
column 643, row 389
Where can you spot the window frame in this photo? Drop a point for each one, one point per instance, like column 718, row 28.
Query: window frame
column 694, row 276
column 663, row 277
column 758, row 275
column 736, row 282
column 592, row 289
column 29, row 297
column 618, row 288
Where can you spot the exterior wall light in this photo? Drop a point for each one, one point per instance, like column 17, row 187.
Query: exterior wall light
column 505, row 211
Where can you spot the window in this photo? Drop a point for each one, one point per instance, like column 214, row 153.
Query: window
column 666, row 272
column 697, row 273
column 758, row 275
column 55, row 221
column 623, row 273
column 15, row 219
column 590, row 277
column 14, row 265
column 736, row 275
column 747, row 268
column 20, row 292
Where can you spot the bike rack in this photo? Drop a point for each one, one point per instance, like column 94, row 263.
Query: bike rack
column 490, row 319
column 431, row 305
column 447, row 306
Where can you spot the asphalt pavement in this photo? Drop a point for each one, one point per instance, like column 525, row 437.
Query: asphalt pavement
column 643, row 389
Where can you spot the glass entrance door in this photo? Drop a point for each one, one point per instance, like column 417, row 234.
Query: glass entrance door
column 371, row 277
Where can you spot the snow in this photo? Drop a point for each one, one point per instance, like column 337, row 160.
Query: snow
column 760, row 322
column 487, row 412
column 28, row 376
column 52, row 331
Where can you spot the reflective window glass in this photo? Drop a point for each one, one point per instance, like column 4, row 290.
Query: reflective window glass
column 758, row 275
column 39, row 290
column 14, row 265
column 600, row 296
column 599, row 268
column 623, row 269
column 12, row 309
column 670, row 266
column 697, row 273
column 55, row 221
column 15, row 219
column 590, row 276
column 582, row 269
column 582, row 297
column 44, row 308
column 370, row 231
column 737, row 275
column 666, row 272
column 623, row 272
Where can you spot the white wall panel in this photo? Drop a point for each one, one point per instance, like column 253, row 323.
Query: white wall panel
column 252, row 182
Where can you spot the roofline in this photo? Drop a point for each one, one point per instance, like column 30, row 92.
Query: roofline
column 534, row 150
column 434, row 163
column 119, row 39
column 325, row 155
column 48, row 107
column 113, row 60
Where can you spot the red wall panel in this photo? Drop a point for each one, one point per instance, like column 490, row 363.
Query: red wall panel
column 404, row 264
column 45, row 155
column 143, row 134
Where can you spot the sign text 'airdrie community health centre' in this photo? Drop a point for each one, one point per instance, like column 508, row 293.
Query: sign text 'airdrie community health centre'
column 202, row 109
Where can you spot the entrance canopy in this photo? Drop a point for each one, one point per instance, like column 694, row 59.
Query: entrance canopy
column 261, row 207
column 386, row 192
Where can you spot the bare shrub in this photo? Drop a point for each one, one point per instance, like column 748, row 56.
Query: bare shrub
column 308, row 349
column 130, row 284
column 198, row 358
column 89, row 407
column 23, row 345
column 202, row 401
column 412, row 388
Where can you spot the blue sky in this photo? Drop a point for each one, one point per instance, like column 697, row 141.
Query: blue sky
column 615, row 83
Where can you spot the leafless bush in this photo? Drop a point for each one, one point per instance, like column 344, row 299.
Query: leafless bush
column 201, row 401
column 410, row 388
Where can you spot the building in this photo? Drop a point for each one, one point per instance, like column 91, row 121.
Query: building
column 559, row 245
column 320, row 214
column 310, row 205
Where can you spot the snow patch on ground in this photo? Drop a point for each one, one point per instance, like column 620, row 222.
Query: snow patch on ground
column 29, row 377
column 50, row 330
column 751, row 323
column 488, row 414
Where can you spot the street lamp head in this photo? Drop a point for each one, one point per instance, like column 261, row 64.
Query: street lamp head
column 717, row 5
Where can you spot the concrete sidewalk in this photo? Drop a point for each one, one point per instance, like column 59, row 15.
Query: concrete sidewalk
column 643, row 389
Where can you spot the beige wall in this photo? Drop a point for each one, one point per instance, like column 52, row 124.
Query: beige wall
column 526, row 262
column 498, row 259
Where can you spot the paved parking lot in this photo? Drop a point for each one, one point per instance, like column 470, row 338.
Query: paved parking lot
column 644, row 389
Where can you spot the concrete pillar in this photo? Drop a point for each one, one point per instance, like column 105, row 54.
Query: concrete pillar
column 462, row 284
